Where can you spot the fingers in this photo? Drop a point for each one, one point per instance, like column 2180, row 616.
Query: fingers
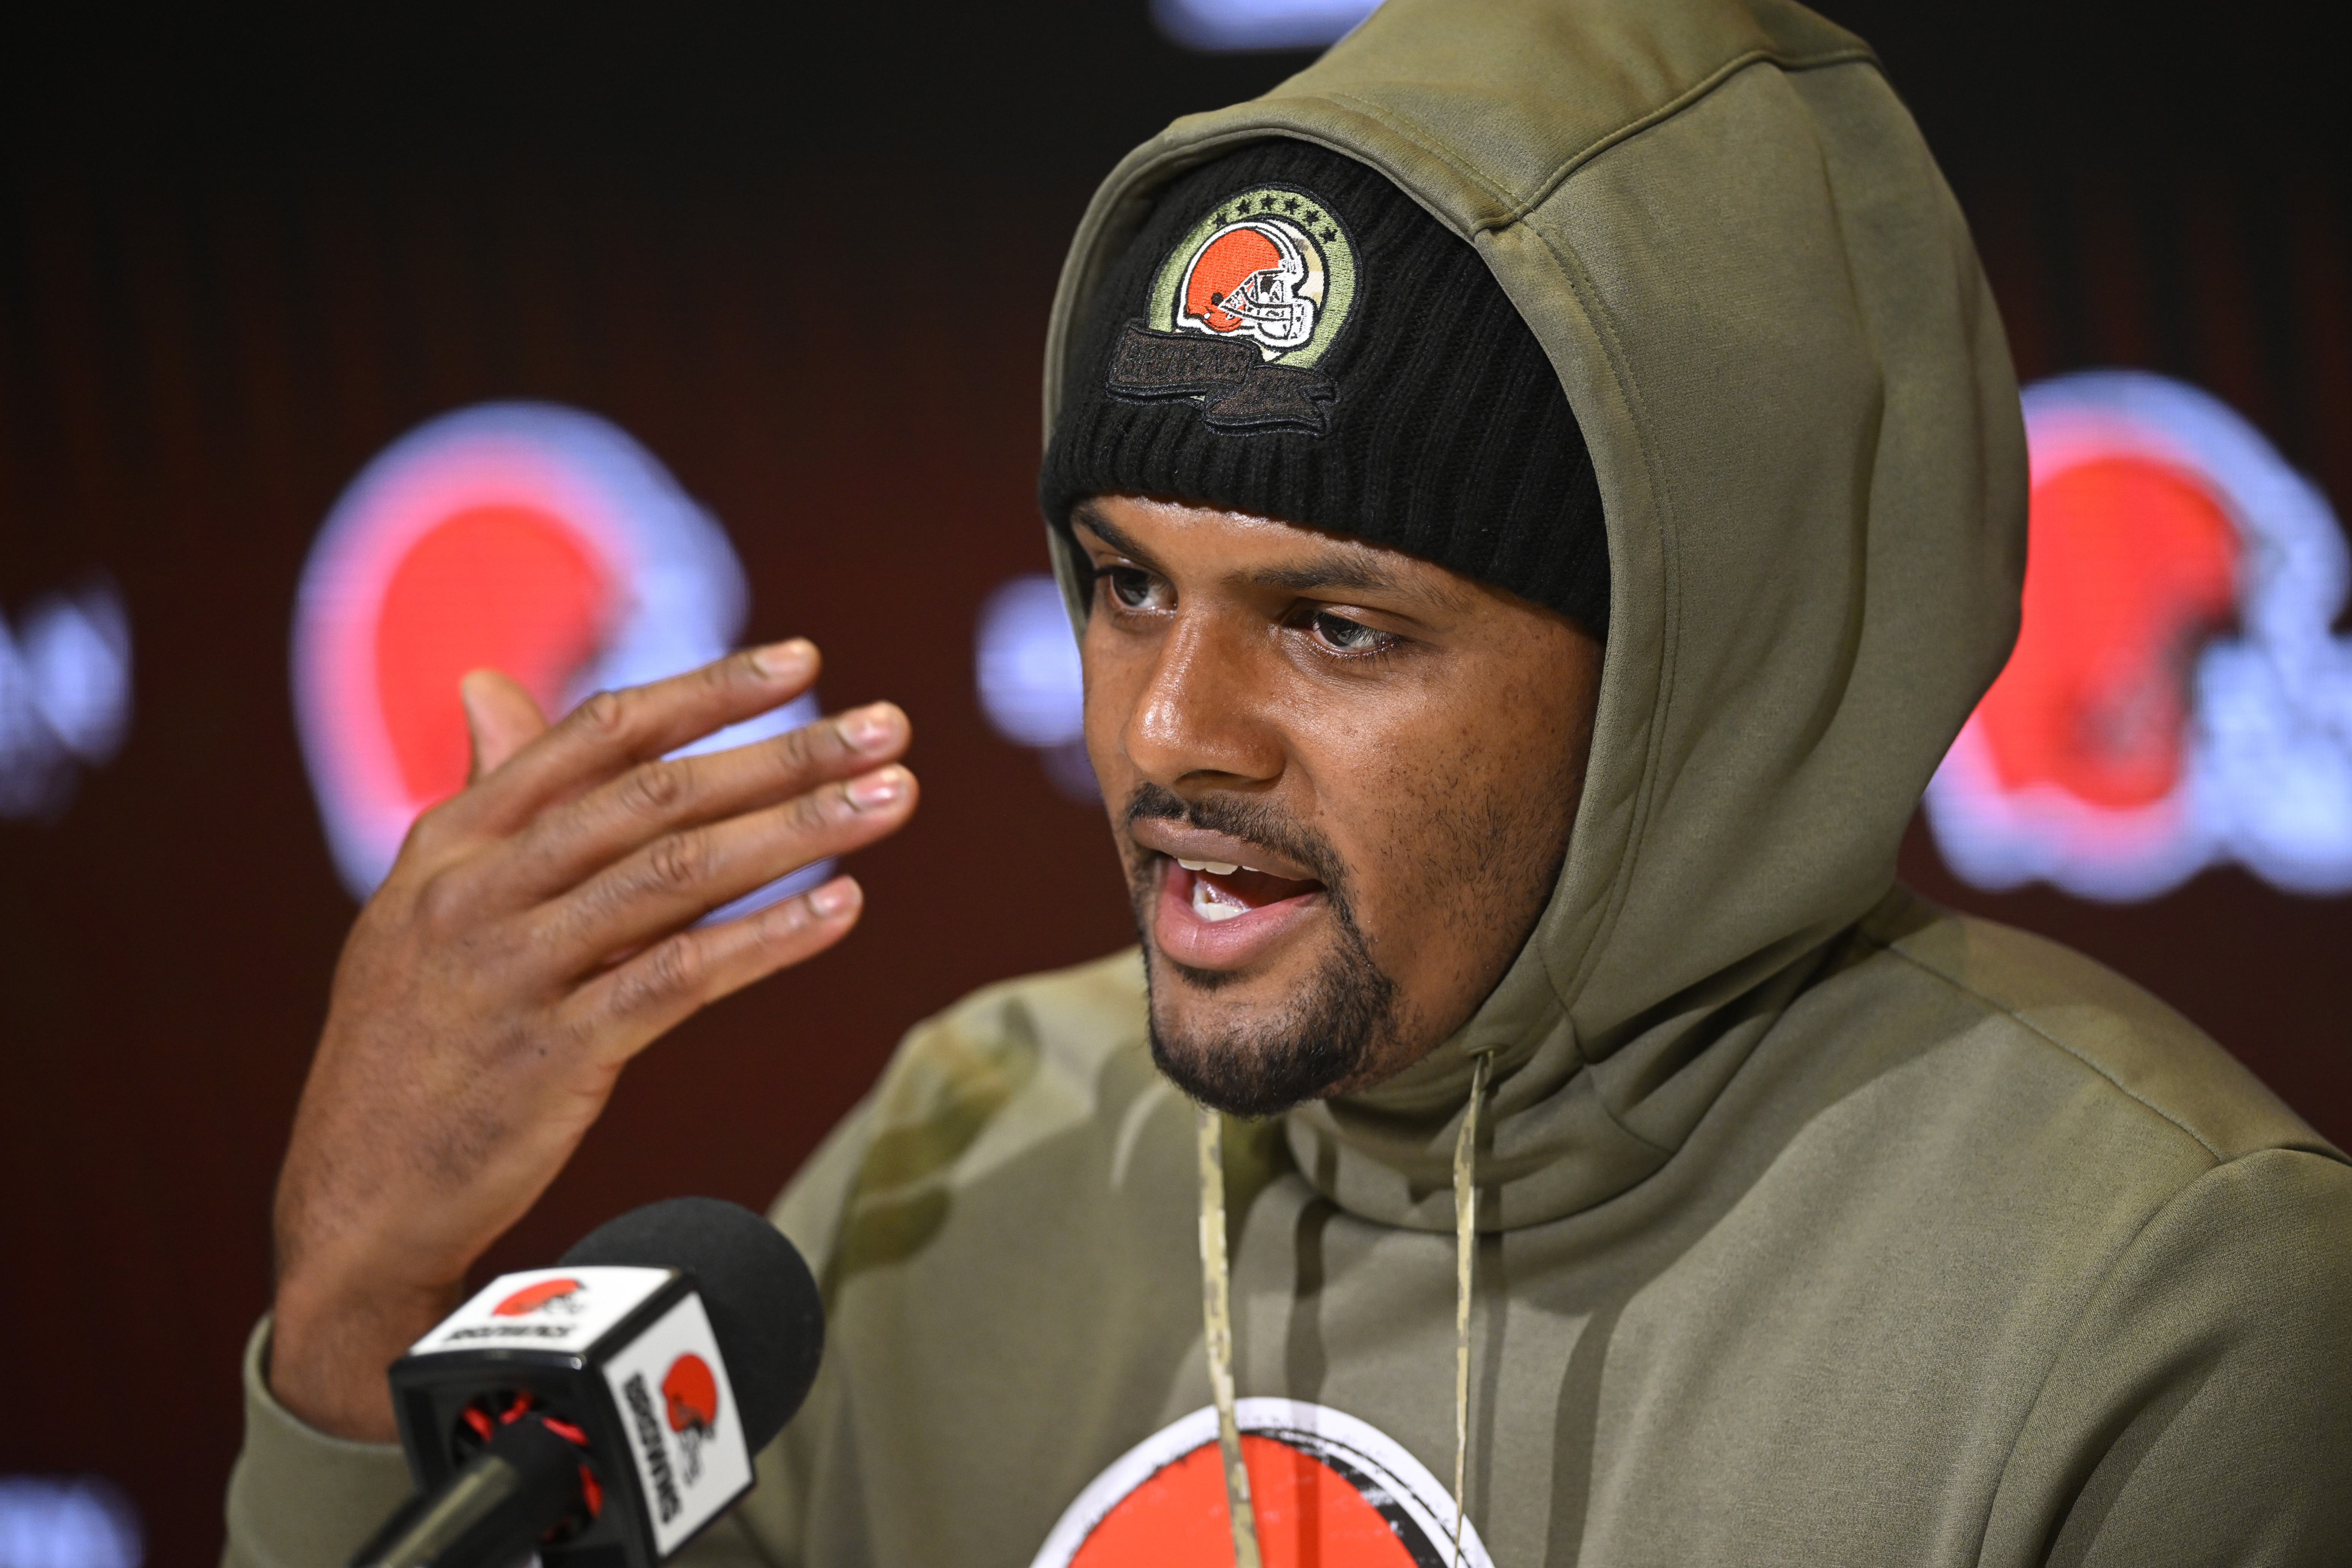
column 502, row 718
column 623, row 1012
column 614, row 731
column 563, row 847
column 680, row 876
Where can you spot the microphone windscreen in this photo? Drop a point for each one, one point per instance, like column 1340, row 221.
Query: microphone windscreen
column 763, row 1304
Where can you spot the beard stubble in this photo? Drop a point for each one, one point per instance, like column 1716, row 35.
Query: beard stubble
column 1331, row 1031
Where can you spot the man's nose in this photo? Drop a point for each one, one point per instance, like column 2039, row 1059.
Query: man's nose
column 1200, row 718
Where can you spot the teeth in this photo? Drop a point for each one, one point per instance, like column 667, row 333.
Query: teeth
column 1212, row 904
column 1214, row 868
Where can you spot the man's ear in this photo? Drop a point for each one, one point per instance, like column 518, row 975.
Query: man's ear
column 502, row 718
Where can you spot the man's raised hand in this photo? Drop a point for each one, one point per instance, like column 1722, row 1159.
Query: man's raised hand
column 536, row 932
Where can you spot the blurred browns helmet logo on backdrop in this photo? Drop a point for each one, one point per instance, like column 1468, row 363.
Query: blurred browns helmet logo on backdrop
column 1330, row 1490
column 526, row 537
column 2178, row 697
column 548, row 1295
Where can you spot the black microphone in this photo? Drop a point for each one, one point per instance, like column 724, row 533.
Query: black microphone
column 603, row 1412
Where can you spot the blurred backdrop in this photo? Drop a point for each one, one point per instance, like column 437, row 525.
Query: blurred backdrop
column 802, row 257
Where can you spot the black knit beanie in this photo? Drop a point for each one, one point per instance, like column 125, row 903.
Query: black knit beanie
column 1290, row 335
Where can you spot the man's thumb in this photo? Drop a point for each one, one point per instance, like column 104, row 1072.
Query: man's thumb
column 502, row 718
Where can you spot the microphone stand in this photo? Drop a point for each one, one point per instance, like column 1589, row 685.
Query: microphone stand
column 492, row 1512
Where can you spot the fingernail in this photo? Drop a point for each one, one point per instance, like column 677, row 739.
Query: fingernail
column 781, row 659
column 876, row 789
column 871, row 729
column 837, row 897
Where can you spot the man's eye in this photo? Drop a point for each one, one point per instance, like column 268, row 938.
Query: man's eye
column 1341, row 635
column 1129, row 586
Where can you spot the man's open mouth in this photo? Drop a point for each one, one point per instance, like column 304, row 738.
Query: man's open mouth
column 1216, row 914
column 1220, row 891
column 1210, row 908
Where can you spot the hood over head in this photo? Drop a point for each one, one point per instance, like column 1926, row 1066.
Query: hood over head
column 1765, row 309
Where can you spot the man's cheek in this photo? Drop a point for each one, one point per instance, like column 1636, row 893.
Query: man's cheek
column 1386, row 809
column 1430, row 843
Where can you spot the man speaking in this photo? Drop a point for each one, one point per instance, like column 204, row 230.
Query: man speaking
column 1539, row 491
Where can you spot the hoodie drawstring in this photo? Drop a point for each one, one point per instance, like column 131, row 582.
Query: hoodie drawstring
column 1466, row 1257
column 1217, row 1315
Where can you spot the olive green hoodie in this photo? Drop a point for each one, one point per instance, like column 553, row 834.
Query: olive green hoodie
column 1816, row 1226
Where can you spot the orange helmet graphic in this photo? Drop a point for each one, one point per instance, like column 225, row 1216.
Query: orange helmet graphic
column 2134, row 569
column 532, row 1297
column 1248, row 280
column 2179, row 695
column 692, row 1394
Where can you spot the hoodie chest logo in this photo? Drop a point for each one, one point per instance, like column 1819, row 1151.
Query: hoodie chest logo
column 1240, row 311
column 1329, row 1490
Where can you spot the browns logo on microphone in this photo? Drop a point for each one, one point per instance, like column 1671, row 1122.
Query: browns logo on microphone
column 548, row 1295
column 691, row 1394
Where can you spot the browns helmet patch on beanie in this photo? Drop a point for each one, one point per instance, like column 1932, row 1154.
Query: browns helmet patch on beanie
column 1291, row 335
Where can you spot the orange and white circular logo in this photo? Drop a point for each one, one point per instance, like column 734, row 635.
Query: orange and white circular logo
column 528, row 537
column 1329, row 1491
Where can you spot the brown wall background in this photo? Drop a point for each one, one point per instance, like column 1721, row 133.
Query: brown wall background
column 806, row 260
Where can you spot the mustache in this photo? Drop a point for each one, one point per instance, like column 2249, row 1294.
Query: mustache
column 1251, row 821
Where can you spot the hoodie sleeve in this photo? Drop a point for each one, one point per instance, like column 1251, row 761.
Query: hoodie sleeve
column 2203, row 1411
column 300, row 1499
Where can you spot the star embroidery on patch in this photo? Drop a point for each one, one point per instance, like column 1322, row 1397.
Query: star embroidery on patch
column 1329, row 234
column 1313, row 217
column 1290, row 204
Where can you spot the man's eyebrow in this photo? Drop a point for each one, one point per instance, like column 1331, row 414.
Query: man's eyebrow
column 1085, row 516
column 1328, row 574
column 1323, row 573
column 1342, row 573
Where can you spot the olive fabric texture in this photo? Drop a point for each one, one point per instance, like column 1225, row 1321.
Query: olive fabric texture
column 1816, row 1224
column 1444, row 431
